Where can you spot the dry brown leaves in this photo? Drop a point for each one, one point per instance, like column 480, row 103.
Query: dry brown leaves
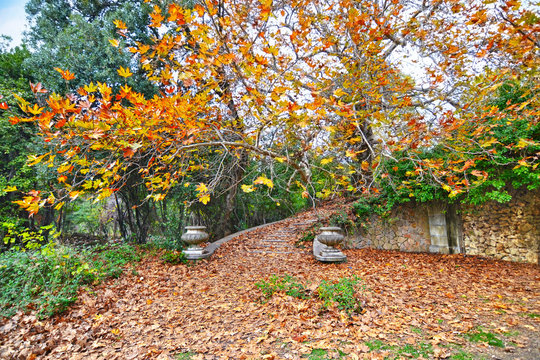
column 213, row 308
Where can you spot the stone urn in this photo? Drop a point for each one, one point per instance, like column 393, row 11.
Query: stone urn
column 323, row 245
column 194, row 236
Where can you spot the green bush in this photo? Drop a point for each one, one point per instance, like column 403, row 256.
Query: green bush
column 287, row 284
column 23, row 239
column 341, row 219
column 164, row 242
column 174, row 257
column 309, row 234
column 47, row 280
column 343, row 293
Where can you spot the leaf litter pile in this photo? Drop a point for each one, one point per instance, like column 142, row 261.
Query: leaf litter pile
column 410, row 306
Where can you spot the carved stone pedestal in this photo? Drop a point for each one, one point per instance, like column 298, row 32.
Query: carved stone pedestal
column 194, row 236
column 323, row 245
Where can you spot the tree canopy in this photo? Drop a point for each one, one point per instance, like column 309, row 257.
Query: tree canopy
column 75, row 35
column 334, row 86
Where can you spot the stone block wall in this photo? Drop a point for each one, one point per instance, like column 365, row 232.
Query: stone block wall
column 406, row 229
column 508, row 231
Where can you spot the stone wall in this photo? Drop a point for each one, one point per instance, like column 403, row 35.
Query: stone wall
column 508, row 231
column 406, row 229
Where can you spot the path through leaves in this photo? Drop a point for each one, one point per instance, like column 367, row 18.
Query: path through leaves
column 213, row 310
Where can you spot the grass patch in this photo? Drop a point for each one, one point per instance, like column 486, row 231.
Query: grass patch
column 321, row 354
column 287, row 284
column 531, row 315
column 463, row 355
column 420, row 350
column 185, row 355
column 343, row 293
column 489, row 338
column 48, row 281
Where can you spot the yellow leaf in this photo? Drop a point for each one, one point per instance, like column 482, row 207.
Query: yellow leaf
column 327, row 161
column 33, row 159
column 10, row 189
column 87, row 185
column 59, row 205
column 205, row 199
column 201, row 188
column 114, row 42
column 247, row 188
column 489, row 142
column 105, row 193
column 159, row 197
column 35, row 110
column 64, row 167
column 90, row 88
column 124, row 72
column 522, row 143
column 339, row 92
column 263, row 180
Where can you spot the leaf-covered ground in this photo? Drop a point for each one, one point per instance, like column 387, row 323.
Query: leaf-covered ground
column 414, row 305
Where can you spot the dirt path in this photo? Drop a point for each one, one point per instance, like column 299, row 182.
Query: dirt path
column 426, row 303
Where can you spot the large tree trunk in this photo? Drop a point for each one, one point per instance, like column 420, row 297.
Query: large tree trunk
column 226, row 224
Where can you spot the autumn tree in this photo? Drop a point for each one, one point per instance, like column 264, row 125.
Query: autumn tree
column 330, row 85
column 81, row 37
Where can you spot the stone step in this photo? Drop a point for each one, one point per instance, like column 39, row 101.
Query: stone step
column 303, row 223
column 269, row 252
column 274, row 240
column 272, row 245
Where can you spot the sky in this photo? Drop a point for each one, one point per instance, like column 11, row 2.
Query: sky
column 12, row 19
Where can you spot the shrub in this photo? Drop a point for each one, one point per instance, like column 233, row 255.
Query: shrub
column 343, row 293
column 287, row 284
column 174, row 257
column 48, row 279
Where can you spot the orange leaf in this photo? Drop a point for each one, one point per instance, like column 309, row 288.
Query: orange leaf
column 365, row 165
column 37, row 88
column 128, row 152
column 66, row 75
column 119, row 24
